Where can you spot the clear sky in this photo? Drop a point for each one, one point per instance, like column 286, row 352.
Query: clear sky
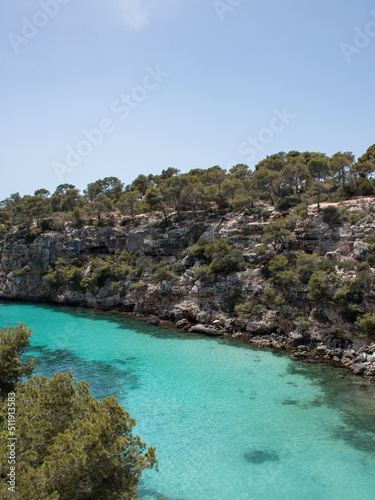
column 97, row 88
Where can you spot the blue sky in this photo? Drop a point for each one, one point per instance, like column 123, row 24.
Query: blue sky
column 178, row 83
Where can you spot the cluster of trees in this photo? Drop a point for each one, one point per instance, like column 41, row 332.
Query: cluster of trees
column 283, row 179
column 69, row 445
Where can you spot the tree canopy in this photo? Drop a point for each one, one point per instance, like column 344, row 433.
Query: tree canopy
column 13, row 342
column 295, row 177
column 69, row 445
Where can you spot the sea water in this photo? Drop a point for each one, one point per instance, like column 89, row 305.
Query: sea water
column 229, row 421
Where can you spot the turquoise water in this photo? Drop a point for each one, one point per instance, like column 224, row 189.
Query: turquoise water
column 229, row 422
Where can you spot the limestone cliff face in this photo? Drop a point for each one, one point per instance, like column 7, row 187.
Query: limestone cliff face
column 23, row 268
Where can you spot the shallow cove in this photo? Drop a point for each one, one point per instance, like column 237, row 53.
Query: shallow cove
column 228, row 420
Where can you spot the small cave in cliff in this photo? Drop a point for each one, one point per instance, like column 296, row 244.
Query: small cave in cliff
column 95, row 250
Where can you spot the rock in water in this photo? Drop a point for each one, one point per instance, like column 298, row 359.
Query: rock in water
column 261, row 456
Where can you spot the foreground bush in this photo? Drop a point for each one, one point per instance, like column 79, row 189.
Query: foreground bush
column 69, row 446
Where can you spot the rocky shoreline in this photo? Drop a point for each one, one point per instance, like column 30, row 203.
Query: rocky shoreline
column 361, row 361
column 28, row 271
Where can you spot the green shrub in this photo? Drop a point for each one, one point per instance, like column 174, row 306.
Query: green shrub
column 197, row 251
column 301, row 210
column 205, row 275
column 307, row 264
column 347, row 265
column 366, row 325
column 22, row 272
column 224, row 257
column 265, row 214
column 288, row 280
column 129, row 257
column 331, row 215
column 220, row 255
column 178, row 268
column 125, row 221
column 304, row 322
column 87, row 283
column 152, row 225
column 260, row 250
column 116, row 288
column 122, row 270
column 357, row 216
column 371, row 259
column 34, row 233
column 344, row 213
column 291, row 222
column 162, row 273
column 73, row 275
column 138, row 285
column 322, row 287
column 286, row 203
column 145, row 266
column 240, row 202
column 274, row 233
column 246, row 310
column 271, row 297
column 342, row 296
column 57, row 226
column 101, row 270
column 363, row 266
column 51, row 278
column 102, row 223
column 366, row 187
column 278, row 264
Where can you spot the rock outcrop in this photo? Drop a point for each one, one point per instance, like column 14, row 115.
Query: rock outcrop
column 192, row 304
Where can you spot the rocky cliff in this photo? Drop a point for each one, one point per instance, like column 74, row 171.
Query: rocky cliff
column 277, row 319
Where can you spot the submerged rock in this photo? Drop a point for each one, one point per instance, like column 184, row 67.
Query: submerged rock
column 261, row 456
column 154, row 320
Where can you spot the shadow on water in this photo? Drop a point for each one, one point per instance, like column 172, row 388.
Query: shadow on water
column 351, row 395
column 154, row 494
column 104, row 378
column 303, row 405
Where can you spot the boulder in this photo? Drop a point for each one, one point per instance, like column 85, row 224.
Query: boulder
column 154, row 320
column 181, row 323
column 187, row 261
column 360, row 368
column 295, row 338
column 206, row 330
column 360, row 250
column 252, row 258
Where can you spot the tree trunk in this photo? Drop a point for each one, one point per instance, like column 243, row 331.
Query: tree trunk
column 270, row 195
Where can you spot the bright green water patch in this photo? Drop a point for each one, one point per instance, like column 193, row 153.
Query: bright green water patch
column 228, row 421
